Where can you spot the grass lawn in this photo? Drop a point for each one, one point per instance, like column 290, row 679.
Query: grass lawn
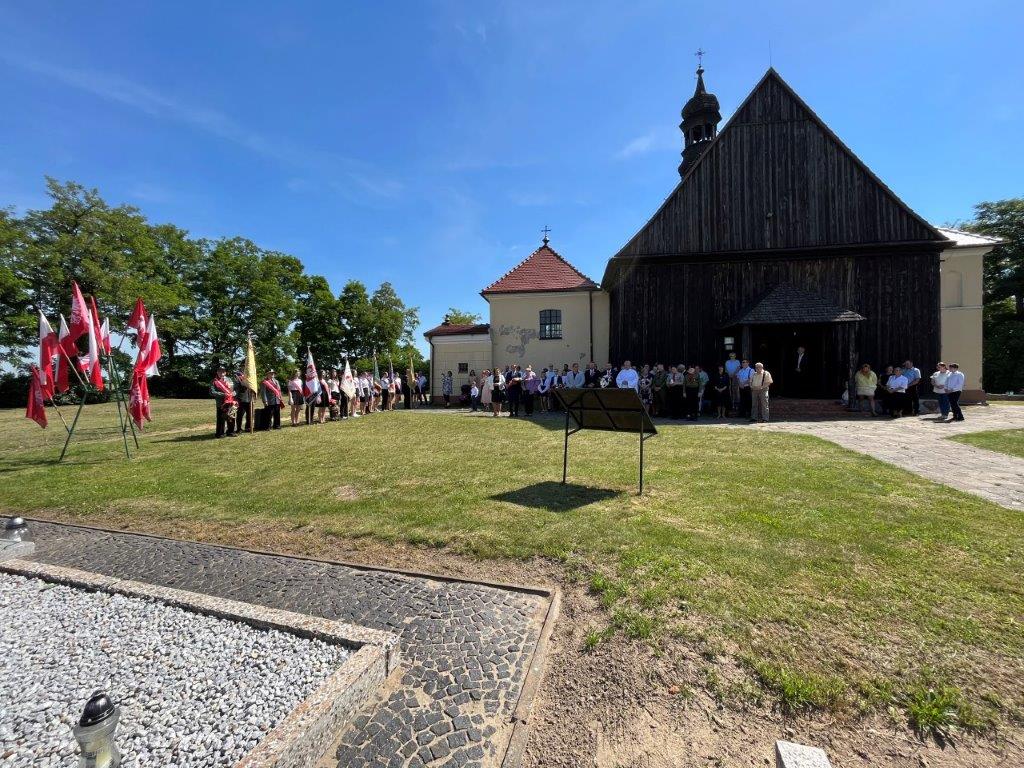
column 1009, row 441
column 834, row 581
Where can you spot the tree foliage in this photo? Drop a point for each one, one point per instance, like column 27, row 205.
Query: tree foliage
column 461, row 317
column 1004, row 293
column 207, row 296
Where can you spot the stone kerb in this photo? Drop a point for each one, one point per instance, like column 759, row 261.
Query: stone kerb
column 312, row 728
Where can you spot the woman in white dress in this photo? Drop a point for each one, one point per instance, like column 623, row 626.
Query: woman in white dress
column 493, row 391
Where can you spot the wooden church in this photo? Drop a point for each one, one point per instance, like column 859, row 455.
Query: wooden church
column 777, row 236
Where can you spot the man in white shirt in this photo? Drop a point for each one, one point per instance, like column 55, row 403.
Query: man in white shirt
column 954, row 388
column 897, row 386
column 627, row 377
column 759, row 380
column 577, row 376
column 939, row 388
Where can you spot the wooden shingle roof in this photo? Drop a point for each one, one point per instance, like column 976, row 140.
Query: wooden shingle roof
column 787, row 304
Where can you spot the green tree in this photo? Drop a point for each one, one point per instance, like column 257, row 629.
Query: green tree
column 461, row 317
column 1004, row 292
column 243, row 289
column 319, row 324
column 16, row 321
column 356, row 320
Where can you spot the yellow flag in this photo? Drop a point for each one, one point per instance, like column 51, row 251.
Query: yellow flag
column 251, row 377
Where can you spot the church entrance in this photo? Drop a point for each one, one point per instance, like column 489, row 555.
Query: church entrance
column 777, row 347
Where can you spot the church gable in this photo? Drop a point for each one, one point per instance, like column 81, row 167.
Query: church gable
column 776, row 177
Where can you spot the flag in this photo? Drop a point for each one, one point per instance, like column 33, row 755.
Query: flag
column 150, row 353
column 105, row 335
column 146, row 360
column 93, row 367
column 79, row 320
column 36, row 409
column 376, row 370
column 137, row 320
column 311, row 386
column 138, row 403
column 250, row 367
column 348, row 384
column 102, row 329
column 63, row 361
column 47, row 349
column 412, row 375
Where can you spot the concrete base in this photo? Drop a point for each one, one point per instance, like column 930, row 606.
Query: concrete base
column 790, row 755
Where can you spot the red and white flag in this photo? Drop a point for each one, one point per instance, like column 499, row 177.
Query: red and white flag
column 311, row 386
column 63, row 361
column 102, row 329
column 137, row 322
column 47, row 349
column 145, row 366
column 36, row 409
column 138, row 403
column 153, row 353
column 80, row 320
column 92, row 366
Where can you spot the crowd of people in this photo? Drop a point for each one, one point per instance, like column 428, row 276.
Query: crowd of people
column 733, row 389
column 676, row 391
column 238, row 403
column 897, row 391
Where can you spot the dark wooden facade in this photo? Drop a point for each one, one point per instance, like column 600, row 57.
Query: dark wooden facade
column 777, row 199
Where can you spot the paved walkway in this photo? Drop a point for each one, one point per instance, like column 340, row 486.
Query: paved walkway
column 916, row 444
column 466, row 647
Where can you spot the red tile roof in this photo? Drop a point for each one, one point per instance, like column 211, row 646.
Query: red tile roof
column 458, row 329
column 542, row 270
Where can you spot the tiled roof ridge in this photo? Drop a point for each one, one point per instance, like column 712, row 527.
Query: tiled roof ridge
column 523, row 263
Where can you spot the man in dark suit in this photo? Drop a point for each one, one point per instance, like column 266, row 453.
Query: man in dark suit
column 592, row 376
column 800, row 373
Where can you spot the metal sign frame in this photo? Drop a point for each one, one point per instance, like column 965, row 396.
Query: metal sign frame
column 579, row 402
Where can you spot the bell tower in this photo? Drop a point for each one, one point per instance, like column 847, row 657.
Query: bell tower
column 700, row 120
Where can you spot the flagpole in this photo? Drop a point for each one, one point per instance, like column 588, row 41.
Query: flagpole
column 117, row 398
column 74, row 423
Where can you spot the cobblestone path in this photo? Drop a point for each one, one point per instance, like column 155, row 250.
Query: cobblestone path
column 916, row 444
column 465, row 647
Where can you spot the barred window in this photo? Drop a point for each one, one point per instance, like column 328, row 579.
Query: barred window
column 463, row 367
column 551, row 323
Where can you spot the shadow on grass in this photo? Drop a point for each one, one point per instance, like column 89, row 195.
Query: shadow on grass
column 555, row 497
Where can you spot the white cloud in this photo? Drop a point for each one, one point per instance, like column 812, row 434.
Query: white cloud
column 654, row 140
column 115, row 88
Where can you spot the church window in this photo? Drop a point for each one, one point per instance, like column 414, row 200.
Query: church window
column 551, row 323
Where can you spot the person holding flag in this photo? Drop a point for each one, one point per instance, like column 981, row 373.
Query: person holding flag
column 246, row 389
column 227, row 408
column 273, row 400
column 348, row 389
column 310, row 386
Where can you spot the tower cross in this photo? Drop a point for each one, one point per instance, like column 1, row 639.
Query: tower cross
column 700, row 57
column 546, row 230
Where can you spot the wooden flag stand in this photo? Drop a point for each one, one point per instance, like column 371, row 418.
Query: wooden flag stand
column 124, row 420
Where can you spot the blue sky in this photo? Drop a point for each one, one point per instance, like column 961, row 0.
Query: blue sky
column 427, row 143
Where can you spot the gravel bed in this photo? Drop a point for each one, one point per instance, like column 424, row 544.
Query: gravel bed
column 194, row 690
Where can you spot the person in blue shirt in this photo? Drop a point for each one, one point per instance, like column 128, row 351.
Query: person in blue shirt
column 732, row 366
column 743, row 383
column 913, row 385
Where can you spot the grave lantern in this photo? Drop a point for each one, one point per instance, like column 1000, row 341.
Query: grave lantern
column 14, row 529
column 95, row 733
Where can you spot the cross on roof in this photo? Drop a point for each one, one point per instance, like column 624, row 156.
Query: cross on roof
column 700, row 57
column 546, row 230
